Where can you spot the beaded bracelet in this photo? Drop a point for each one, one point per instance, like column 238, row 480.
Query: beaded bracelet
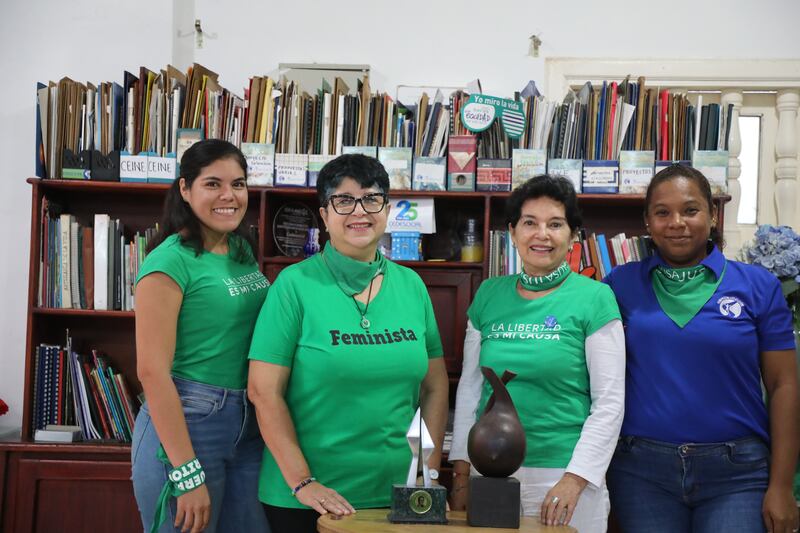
column 307, row 481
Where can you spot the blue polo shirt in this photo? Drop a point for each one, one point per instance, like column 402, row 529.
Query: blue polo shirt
column 700, row 383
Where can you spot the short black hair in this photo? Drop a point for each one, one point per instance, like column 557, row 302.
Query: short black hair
column 556, row 188
column 692, row 174
column 366, row 171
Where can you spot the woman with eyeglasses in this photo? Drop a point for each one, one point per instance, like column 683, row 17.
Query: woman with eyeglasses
column 344, row 351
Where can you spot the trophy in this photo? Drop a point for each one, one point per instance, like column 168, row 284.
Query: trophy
column 413, row 503
column 496, row 448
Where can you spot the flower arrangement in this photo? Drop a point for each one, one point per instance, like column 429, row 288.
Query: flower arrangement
column 777, row 248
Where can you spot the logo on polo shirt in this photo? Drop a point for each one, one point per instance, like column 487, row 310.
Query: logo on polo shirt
column 730, row 306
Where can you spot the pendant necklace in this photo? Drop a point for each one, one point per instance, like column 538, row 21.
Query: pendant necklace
column 364, row 320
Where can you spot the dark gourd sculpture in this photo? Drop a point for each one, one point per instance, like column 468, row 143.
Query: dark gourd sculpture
column 496, row 443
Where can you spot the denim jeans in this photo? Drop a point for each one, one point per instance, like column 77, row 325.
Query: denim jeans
column 660, row 487
column 225, row 437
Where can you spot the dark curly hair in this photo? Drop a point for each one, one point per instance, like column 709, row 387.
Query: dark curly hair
column 178, row 216
column 556, row 188
column 366, row 171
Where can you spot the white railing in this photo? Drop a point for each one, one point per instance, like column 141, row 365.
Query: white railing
column 787, row 103
column 732, row 232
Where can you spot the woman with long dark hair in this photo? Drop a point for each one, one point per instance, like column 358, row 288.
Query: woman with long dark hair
column 196, row 449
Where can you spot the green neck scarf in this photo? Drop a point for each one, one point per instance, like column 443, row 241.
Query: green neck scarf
column 351, row 275
column 548, row 281
column 682, row 292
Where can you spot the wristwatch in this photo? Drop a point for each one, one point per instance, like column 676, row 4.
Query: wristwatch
column 433, row 473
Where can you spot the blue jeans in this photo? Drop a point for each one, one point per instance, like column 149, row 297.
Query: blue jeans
column 225, row 437
column 660, row 487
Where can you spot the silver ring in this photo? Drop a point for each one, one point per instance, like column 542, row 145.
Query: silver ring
column 322, row 501
column 555, row 499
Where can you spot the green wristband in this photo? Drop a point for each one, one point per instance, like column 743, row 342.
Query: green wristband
column 188, row 476
column 180, row 480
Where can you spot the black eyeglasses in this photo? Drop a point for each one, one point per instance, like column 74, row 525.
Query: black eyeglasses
column 345, row 204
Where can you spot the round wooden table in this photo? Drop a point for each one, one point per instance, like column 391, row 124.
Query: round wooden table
column 375, row 521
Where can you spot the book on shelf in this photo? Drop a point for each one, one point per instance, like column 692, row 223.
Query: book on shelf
column 599, row 122
column 79, row 122
column 397, row 162
column 58, row 433
column 87, row 266
column 84, row 391
column 94, row 123
column 598, row 254
column 493, row 175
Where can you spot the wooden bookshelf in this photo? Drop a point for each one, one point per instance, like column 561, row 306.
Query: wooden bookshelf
column 41, row 479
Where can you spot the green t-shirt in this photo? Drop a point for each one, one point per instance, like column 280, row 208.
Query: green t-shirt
column 351, row 395
column 543, row 342
column 221, row 300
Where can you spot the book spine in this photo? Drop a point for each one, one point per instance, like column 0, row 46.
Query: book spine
column 65, row 255
column 101, row 223
column 74, row 264
column 61, row 389
column 125, row 422
column 101, row 399
column 37, row 387
column 107, row 394
column 127, row 402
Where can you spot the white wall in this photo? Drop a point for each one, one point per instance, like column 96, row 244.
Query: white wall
column 412, row 43
column 43, row 40
column 451, row 42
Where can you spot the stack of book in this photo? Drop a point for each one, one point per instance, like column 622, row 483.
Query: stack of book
column 82, row 390
column 143, row 115
column 435, row 123
column 539, row 114
column 296, row 122
column 88, row 266
column 58, row 433
column 599, row 122
column 458, row 99
column 603, row 254
column 605, row 138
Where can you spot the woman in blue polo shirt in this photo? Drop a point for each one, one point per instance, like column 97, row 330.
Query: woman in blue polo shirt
column 700, row 451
